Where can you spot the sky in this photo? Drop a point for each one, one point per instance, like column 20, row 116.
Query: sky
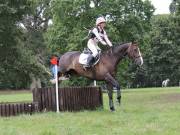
column 162, row 6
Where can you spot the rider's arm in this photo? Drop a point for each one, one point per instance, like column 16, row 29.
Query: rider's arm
column 95, row 31
column 107, row 39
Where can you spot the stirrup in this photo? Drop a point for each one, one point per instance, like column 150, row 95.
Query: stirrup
column 85, row 67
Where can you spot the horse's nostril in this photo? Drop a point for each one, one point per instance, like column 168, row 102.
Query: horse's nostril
column 138, row 62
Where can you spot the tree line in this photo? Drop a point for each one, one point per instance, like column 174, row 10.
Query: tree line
column 32, row 30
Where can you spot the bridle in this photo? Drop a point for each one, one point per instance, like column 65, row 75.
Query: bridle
column 130, row 52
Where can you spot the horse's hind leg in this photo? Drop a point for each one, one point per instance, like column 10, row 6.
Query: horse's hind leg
column 63, row 74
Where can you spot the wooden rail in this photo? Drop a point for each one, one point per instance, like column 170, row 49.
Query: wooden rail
column 12, row 109
column 44, row 99
column 70, row 98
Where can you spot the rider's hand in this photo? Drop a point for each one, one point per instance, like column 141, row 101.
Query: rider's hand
column 111, row 48
column 103, row 42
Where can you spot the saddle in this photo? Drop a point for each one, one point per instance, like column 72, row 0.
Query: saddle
column 86, row 58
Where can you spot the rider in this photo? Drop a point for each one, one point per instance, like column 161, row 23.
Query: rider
column 97, row 34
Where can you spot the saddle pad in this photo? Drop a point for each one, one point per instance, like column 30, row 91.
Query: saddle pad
column 83, row 58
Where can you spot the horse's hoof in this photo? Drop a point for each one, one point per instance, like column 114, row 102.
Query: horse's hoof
column 118, row 103
column 63, row 78
column 112, row 109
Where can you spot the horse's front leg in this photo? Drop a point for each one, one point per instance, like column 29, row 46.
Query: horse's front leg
column 110, row 79
column 110, row 95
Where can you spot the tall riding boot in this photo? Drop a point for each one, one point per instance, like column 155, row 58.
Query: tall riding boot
column 90, row 61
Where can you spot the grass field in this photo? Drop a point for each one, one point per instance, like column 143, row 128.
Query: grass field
column 15, row 96
column 153, row 111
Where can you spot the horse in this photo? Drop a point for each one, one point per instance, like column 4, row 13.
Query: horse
column 105, row 69
column 165, row 82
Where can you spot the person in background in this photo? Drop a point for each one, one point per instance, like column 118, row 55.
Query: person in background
column 54, row 63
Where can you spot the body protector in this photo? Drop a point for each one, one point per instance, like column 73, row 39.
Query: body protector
column 97, row 35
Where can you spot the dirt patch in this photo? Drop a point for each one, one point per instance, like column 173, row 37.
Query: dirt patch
column 170, row 97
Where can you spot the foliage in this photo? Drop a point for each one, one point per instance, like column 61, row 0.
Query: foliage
column 162, row 59
column 10, row 13
column 22, row 44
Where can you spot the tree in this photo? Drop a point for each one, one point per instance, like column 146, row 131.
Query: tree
column 162, row 59
column 10, row 14
column 23, row 50
column 175, row 30
column 35, row 25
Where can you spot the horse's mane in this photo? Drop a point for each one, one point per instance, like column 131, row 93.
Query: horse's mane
column 120, row 44
column 112, row 49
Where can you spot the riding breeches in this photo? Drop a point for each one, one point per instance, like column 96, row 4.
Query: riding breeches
column 92, row 45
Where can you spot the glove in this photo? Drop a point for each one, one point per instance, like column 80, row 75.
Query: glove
column 111, row 48
column 103, row 42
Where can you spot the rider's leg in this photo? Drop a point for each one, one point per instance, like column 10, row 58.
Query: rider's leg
column 92, row 46
column 97, row 47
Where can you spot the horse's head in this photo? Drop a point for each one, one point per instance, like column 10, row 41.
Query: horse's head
column 135, row 54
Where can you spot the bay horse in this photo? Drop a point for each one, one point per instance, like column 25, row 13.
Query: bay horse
column 105, row 69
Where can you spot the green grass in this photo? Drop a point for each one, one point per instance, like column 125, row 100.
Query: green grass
column 151, row 111
column 15, row 96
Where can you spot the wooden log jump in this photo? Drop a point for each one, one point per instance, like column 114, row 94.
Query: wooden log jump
column 12, row 109
column 70, row 98
column 44, row 99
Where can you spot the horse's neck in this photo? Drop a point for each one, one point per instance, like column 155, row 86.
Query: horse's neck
column 117, row 53
column 120, row 51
